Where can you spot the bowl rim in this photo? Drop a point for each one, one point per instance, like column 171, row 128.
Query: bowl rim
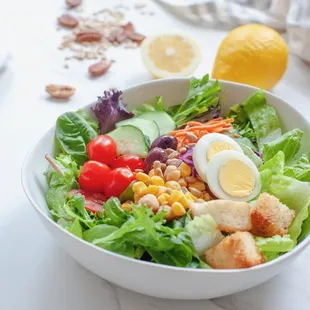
column 25, row 184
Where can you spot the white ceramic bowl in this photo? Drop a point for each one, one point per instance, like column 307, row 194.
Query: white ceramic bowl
column 144, row 277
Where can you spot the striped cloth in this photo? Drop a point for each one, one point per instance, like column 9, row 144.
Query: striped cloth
column 291, row 16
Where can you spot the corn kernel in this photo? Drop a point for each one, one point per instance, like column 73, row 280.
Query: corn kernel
column 185, row 170
column 143, row 177
column 151, row 189
column 151, row 173
column 163, row 199
column 199, row 185
column 138, row 187
column 156, row 180
column 185, row 202
column 178, row 209
column 126, row 206
column 175, row 196
column 190, row 196
column 136, row 197
column 173, row 185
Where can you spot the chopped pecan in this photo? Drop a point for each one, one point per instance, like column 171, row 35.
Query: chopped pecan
column 99, row 68
column 88, row 36
column 67, row 20
column 73, row 3
column 129, row 27
column 135, row 36
column 60, row 91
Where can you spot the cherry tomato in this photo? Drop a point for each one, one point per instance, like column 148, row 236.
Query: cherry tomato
column 103, row 149
column 132, row 162
column 93, row 201
column 94, row 176
column 119, row 180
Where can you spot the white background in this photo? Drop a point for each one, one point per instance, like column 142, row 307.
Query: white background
column 34, row 272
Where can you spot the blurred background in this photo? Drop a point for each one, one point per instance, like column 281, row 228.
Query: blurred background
column 38, row 49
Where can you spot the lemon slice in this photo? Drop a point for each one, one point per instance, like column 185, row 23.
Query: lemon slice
column 170, row 55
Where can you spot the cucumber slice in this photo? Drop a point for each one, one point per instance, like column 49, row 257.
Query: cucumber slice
column 149, row 128
column 162, row 119
column 130, row 140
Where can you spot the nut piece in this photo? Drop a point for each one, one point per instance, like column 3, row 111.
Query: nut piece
column 135, row 36
column 129, row 27
column 88, row 36
column 60, row 91
column 99, row 68
column 73, row 3
column 68, row 21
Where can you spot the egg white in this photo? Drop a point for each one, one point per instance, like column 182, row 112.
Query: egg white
column 213, row 171
column 202, row 147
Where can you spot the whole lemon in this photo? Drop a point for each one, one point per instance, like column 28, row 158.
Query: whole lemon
column 252, row 54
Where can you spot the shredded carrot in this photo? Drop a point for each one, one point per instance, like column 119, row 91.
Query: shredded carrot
column 185, row 136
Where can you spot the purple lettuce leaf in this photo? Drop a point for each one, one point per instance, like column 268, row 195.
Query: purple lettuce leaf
column 109, row 110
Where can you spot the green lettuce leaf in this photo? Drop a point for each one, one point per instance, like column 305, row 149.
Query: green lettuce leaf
column 146, row 230
column 113, row 213
column 296, row 195
column 269, row 256
column 263, row 118
column 300, row 170
column 72, row 134
column 271, row 167
column 76, row 228
column 289, row 144
column 156, row 104
column 275, row 244
column 250, row 153
column 91, row 121
column 59, row 185
column 305, row 228
column 98, row 232
column 202, row 95
column 265, row 177
column 275, row 164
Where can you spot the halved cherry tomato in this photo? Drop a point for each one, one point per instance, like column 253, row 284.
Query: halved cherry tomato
column 132, row 162
column 93, row 201
column 103, row 149
column 94, row 176
column 119, row 180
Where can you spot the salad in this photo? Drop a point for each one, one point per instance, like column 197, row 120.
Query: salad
column 181, row 185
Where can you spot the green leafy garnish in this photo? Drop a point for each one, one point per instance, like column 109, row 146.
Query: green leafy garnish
column 202, row 95
column 289, row 144
column 73, row 132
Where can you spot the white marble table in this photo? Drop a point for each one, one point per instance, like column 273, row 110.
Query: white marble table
column 35, row 273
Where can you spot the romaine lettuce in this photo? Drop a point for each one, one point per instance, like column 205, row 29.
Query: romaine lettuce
column 289, row 144
column 300, row 170
column 263, row 118
column 296, row 195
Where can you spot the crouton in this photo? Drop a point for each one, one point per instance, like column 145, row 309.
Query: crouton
column 234, row 252
column 270, row 217
column 230, row 216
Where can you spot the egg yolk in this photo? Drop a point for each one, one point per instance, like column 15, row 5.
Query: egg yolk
column 218, row 146
column 236, row 178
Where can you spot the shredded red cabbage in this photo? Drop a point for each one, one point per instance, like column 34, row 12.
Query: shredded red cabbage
column 187, row 158
column 109, row 110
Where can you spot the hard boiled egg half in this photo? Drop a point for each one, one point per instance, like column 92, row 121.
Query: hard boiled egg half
column 230, row 174
column 208, row 146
